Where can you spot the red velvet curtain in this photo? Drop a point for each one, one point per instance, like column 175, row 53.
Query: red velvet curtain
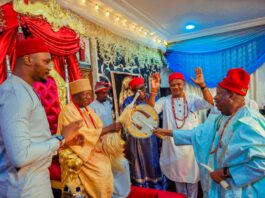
column 7, row 47
column 63, row 45
column 59, row 62
column 7, row 38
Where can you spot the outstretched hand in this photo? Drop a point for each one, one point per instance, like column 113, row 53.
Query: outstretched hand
column 156, row 81
column 116, row 126
column 199, row 80
column 162, row 132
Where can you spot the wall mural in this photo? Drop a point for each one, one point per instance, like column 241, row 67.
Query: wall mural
column 118, row 62
column 137, row 60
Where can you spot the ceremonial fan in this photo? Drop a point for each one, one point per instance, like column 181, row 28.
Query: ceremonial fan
column 144, row 120
column 139, row 120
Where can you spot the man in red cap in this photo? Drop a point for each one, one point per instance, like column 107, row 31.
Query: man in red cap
column 26, row 144
column 231, row 143
column 102, row 105
column 180, row 112
column 103, row 108
column 143, row 154
column 138, row 84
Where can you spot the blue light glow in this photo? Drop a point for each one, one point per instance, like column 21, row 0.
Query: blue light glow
column 189, row 27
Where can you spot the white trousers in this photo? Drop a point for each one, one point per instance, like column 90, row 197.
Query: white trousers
column 190, row 190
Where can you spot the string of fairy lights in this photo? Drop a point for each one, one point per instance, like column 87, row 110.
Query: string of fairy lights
column 118, row 19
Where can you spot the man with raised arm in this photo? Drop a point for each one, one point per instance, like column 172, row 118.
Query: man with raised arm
column 231, row 143
column 180, row 112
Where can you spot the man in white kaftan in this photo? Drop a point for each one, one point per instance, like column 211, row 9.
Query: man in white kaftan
column 103, row 108
column 178, row 162
column 26, row 144
column 231, row 143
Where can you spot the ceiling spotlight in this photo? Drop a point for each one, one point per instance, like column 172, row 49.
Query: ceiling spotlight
column 107, row 13
column 117, row 18
column 189, row 27
column 96, row 7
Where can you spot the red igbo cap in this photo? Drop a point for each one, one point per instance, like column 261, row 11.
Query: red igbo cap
column 236, row 80
column 31, row 46
column 176, row 75
column 101, row 86
column 136, row 81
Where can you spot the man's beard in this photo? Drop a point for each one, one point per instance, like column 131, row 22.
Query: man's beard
column 43, row 80
column 104, row 100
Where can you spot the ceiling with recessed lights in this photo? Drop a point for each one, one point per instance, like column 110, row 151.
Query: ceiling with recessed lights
column 170, row 16
column 163, row 21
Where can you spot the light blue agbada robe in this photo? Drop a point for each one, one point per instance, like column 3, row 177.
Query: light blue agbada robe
column 242, row 150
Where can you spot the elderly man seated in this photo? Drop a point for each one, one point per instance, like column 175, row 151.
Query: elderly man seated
column 87, row 164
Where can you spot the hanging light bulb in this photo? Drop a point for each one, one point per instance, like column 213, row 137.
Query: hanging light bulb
column 83, row 1
column 96, row 7
column 107, row 13
column 117, row 18
column 133, row 26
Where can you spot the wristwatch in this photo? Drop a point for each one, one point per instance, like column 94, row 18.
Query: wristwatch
column 60, row 138
column 226, row 173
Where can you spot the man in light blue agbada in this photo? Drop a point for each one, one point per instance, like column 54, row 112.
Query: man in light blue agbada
column 231, row 143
